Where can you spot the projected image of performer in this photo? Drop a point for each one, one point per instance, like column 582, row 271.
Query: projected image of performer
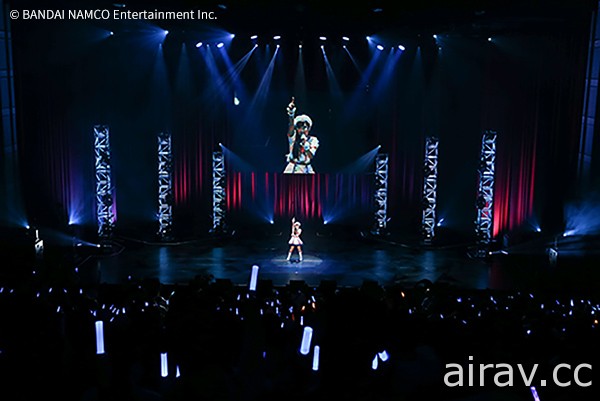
column 302, row 145
column 295, row 240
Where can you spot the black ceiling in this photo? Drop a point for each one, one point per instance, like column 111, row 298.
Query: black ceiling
column 361, row 17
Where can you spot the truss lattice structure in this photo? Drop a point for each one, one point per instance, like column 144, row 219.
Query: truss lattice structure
column 381, row 193
column 485, row 193
column 165, row 186
column 430, row 175
column 219, row 200
column 104, row 197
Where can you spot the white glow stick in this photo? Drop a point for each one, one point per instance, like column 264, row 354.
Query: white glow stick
column 384, row 356
column 99, row 337
column 535, row 394
column 164, row 366
column 315, row 365
column 253, row 278
column 306, row 339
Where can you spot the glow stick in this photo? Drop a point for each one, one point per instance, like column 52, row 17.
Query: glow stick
column 99, row 337
column 306, row 339
column 315, row 365
column 384, row 356
column 535, row 394
column 253, row 278
column 164, row 366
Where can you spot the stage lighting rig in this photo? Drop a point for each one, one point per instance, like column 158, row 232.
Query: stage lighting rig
column 104, row 199
column 485, row 193
column 381, row 192
column 219, row 199
column 429, row 200
column 165, row 186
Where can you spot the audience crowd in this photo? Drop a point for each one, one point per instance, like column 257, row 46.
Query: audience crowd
column 221, row 341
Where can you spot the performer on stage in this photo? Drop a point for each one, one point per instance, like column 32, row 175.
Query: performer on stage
column 295, row 240
column 302, row 145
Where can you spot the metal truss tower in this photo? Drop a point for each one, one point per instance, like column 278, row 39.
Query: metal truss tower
column 430, row 174
column 219, row 200
column 165, row 186
column 485, row 193
column 104, row 197
column 381, row 193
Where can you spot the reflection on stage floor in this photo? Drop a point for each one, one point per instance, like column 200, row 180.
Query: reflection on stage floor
column 348, row 260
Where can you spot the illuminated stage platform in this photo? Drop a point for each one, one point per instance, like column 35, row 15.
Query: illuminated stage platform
column 349, row 259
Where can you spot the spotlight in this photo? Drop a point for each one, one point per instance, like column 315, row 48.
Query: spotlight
column 221, row 44
column 401, row 47
column 299, row 46
column 538, row 230
column 379, row 47
column 322, row 47
column 435, row 36
column 369, row 38
column 489, row 39
column 277, row 37
column 346, row 38
column 111, row 33
column 199, row 44
column 166, row 32
column 322, row 38
column 344, row 46
column 232, row 35
column 254, row 37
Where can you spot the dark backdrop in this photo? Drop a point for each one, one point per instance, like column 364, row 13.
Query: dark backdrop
column 527, row 84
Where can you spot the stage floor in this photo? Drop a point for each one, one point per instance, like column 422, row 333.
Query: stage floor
column 348, row 258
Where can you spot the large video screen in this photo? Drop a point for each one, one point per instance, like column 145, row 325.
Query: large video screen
column 314, row 133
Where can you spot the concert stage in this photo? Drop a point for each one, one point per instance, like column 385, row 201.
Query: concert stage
column 348, row 258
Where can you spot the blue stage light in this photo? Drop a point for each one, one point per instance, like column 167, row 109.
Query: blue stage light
column 401, row 47
column 221, row 44
column 379, row 47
